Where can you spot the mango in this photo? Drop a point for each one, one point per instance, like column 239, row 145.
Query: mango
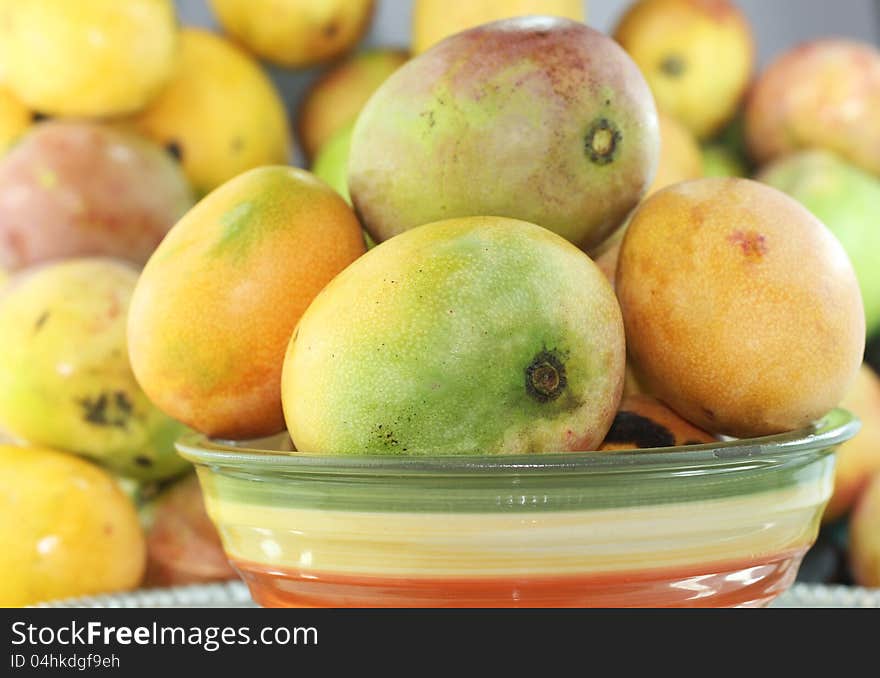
column 643, row 422
column 697, row 56
column 434, row 20
column 864, row 537
column 216, row 304
column 529, row 118
column 847, row 200
column 75, row 188
column 680, row 156
column 742, row 310
column 65, row 377
column 334, row 100
column 68, row 530
column 721, row 161
column 295, row 33
column 90, row 58
column 15, row 118
column 193, row 118
column 331, row 163
column 858, row 459
column 480, row 335
column 820, row 94
column 183, row 546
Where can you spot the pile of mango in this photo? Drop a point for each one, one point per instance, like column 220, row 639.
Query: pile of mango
column 570, row 254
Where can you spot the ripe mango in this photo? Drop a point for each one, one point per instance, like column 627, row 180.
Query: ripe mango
column 65, row 377
column 480, row 335
column 821, row 94
column 680, row 157
column 742, row 310
column 643, row 422
column 697, row 56
column 15, row 118
column 76, row 188
column 847, row 200
column 192, row 116
column 334, row 101
column 67, row 529
column 295, row 33
column 89, row 58
column 434, row 20
column 216, row 304
column 864, row 537
column 530, row 118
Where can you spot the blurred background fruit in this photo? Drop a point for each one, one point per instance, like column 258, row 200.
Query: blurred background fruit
column 87, row 58
column 434, row 20
column 717, row 278
column 857, row 459
column 821, row 94
column 847, row 200
column 331, row 163
column 680, row 156
column 65, row 377
column 216, row 139
column 864, row 537
column 642, row 421
column 76, row 188
column 295, row 33
column 334, row 100
column 697, row 56
column 183, row 546
column 67, row 529
column 484, row 124
column 216, row 304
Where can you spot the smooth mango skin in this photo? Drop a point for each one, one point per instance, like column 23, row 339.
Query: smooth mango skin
column 295, row 33
column 821, row 94
column 90, row 58
column 15, row 118
column 847, row 200
column 434, row 20
column 67, row 529
column 697, row 56
column 742, row 310
column 334, row 101
column 65, row 377
column 331, row 162
column 216, row 304
column 193, row 117
column 536, row 118
column 432, row 343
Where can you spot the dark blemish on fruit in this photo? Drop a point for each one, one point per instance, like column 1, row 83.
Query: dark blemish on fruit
column 174, row 150
column 429, row 115
column 36, row 116
column 38, row 325
column 236, row 145
column 106, row 410
column 143, row 462
column 629, row 427
column 709, row 413
column 602, row 141
column 673, row 65
column 752, row 243
column 331, row 29
column 545, row 377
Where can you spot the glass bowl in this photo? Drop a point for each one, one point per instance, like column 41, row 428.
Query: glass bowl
column 722, row 524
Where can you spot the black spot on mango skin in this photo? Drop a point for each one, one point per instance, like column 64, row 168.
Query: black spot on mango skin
column 38, row 325
column 673, row 66
column 36, row 116
column 545, row 378
column 175, row 150
column 331, row 29
column 109, row 408
column 602, row 141
column 629, row 427
column 144, row 462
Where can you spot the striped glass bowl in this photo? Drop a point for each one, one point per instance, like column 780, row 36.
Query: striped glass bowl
column 723, row 524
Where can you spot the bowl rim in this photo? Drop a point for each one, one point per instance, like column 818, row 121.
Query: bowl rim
column 836, row 427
